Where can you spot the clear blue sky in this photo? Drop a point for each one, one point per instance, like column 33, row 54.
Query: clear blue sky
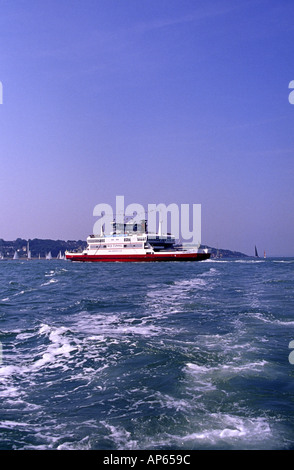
column 162, row 101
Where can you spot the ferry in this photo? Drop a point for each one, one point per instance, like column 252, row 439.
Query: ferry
column 128, row 242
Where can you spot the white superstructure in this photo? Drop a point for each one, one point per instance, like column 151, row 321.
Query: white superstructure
column 129, row 242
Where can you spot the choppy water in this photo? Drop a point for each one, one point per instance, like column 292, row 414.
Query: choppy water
column 147, row 356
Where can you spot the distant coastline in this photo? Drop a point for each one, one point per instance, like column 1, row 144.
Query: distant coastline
column 40, row 248
column 222, row 253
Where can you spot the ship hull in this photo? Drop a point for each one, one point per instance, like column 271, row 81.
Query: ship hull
column 154, row 257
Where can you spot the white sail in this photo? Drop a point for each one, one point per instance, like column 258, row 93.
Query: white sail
column 60, row 255
column 49, row 256
column 28, row 251
column 15, row 256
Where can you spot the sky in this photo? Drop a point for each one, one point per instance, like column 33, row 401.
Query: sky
column 161, row 101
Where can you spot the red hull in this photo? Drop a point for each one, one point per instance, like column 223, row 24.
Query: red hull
column 139, row 258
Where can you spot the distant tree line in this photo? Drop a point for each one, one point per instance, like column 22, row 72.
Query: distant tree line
column 39, row 247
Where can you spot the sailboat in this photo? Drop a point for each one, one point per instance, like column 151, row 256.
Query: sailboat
column 49, row 256
column 15, row 256
column 28, row 251
column 256, row 254
column 60, row 256
column 1, row 256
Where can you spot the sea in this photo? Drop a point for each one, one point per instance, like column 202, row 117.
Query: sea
column 138, row 356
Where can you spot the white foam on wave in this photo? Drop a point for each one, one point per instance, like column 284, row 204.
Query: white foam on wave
column 83, row 444
column 163, row 300
column 261, row 317
column 51, row 273
column 223, row 428
column 249, row 261
column 55, row 351
column 113, row 325
column 202, row 379
column 194, row 283
column 221, row 369
column 120, row 437
column 216, row 261
column 12, row 424
column 12, row 394
column 55, row 354
column 256, row 366
column 60, row 346
column 24, row 336
column 211, row 272
column 6, row 371
column 218, row 430
column 51, row 281
column 287, row 261
column 168, row 401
